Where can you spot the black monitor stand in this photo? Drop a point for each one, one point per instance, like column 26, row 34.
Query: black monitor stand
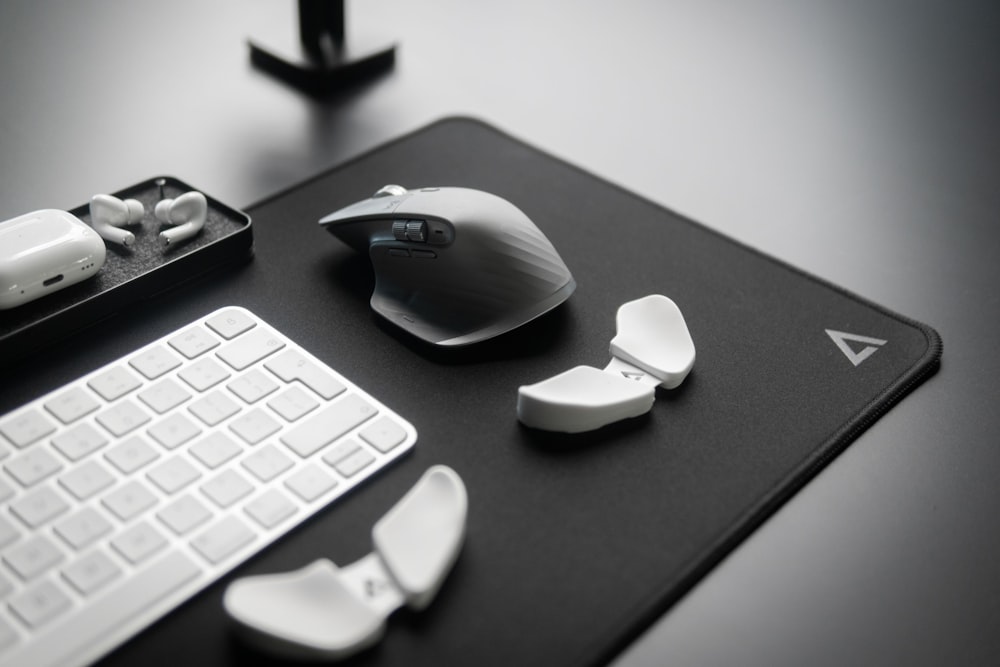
column 323, row 62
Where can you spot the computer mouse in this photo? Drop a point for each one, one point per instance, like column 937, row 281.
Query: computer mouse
column 453, row 266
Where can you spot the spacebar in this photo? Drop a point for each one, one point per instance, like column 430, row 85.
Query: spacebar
column 112, row 619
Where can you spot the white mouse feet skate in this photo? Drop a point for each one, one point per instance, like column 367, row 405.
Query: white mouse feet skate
column 325, row 612
column 652, row 347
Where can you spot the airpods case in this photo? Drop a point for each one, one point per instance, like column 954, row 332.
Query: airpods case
column 44, row 251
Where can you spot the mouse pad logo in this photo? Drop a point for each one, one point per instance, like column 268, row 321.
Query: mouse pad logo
column 855, row 356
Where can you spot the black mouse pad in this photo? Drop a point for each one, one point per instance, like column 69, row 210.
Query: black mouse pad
column 575, row 543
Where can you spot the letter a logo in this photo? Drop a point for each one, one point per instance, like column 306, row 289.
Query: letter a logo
column 871, row 345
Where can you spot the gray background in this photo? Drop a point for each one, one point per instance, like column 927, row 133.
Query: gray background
column 856, row 140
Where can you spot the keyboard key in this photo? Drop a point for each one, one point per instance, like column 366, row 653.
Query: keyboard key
column 79, row 441
column 7, row 634
column 250, row 348
column 129, row 500
column 32, row 557
column 204, row 374
column 8, row 534
column 131, row 454
column 26, row 427
column 214, row 408
column 254, row 426
column 91, row 572
column 215, row 449
column 174, row 431
column 223, row 539
column 183, row 514
column 383, row 434
column 193, row 342
column 39, row 506
column 81, row 529
column 139, row 542
column 87, row 479
column 72, row 404
column 293, row 365
column 173, row 474
column 165, row 395
column 271, row 508
column 226, row 488
column 253, row 386
column 329, row 424
column 230, row 323
column 122, row 418
column 40, row 604
column 342, row 450
column 293, row 403
column 154, row 362
column 114, row 383
column 33, row 466
column 310, row 482
column 353, row 463
column 267, row 463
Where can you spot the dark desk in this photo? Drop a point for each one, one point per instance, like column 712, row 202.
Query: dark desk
column 857, row 143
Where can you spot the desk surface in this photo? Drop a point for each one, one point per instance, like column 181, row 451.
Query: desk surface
column 858, row 143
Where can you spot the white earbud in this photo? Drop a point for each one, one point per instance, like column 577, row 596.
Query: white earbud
column 188, row 212
column 108, row 214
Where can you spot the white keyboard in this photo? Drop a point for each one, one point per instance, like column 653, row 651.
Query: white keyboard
column 132, row 488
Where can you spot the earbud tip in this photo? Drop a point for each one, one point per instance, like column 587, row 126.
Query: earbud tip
column 135, row 210
column 162, row 210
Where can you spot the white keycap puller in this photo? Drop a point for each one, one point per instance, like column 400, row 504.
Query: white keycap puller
column 325, row 612
column 652, row 347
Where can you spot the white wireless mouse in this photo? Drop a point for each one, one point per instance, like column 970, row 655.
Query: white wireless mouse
column 453, row 266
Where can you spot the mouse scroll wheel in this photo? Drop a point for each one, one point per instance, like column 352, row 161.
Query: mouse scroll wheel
column 390, row 191
column 410, row 230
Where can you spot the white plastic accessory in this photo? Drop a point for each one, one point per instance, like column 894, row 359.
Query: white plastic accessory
column 652, row 347
column 44, row 251
column 323, row 611
column 652, row 334
column 188, row 211
column 108, row 214
column 582, row 399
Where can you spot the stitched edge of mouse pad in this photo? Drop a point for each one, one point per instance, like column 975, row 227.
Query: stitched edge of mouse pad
column 628, row 480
